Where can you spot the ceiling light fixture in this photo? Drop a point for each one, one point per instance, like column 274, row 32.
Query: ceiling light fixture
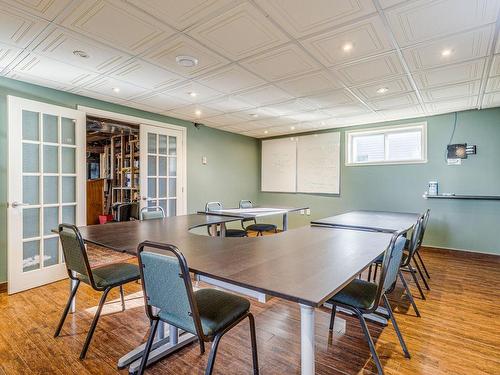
column 446, row 52
column 116, row 89
column 322, row 123
column 254, row 115
column 186, row 61
column 265, row 132
column 347, row 47
column 80, row 53
column 197, row 112
column 193, row 94
column 382, row 90
column 292, row 127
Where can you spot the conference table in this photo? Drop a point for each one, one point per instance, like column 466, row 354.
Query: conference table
column 306, row 265
column 255, row 212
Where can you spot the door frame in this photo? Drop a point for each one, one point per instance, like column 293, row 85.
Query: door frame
column 182, row 202
column 14, row 109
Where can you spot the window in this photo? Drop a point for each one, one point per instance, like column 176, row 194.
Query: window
column 403, row 144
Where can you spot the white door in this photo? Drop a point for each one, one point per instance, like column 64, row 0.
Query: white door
column 161, row 171
column 46, row 169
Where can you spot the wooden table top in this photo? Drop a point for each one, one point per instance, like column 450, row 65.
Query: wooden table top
column 306, row 265
column 254, row 211
column 381, row 221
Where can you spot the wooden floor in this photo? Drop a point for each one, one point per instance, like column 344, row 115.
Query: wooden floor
column 459, row 332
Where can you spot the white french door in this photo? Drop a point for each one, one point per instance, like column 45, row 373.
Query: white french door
column 161, row 172
column 46, row 186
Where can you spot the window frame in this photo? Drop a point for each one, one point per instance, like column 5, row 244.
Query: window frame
column 385, row 130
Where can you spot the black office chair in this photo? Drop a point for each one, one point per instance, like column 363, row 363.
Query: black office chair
column 256, row 227
column 153, row 212
column 102, row 279
column 206, row 313
column 217, row 206
column 363, row 297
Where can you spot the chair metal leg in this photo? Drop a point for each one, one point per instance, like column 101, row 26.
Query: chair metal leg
column 202, row 346
column 332, row 317
column 122, row 297
column 408, row 293
column 395, row 325
column 370, row 343
column 375, row 272
column 147, row 348
column 421, row 274
column 66, row 309
column 415, row 279
column 94, row 324
column 370, row 272
column 253, row 338
column 423, row 265
column 213, row 353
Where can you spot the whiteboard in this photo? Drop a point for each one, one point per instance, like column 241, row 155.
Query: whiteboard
column 318, row 163
column 279, row 165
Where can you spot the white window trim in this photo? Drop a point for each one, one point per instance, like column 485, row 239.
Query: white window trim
column 383, row 130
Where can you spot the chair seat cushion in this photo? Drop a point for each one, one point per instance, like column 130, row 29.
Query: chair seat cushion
column 236, row 233
column 113, row 274
column 358, row 293
column 261, row 227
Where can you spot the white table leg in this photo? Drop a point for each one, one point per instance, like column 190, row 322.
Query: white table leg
column 307, row 340
column 285, row 221
column 222, row 230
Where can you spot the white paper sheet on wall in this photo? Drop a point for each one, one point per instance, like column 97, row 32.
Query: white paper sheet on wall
column 279, row 165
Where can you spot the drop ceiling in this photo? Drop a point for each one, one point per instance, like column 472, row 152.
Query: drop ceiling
column 265, row 67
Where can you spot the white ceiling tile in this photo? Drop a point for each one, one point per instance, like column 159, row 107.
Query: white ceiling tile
column 459, row 90
column 272, row 121
column 403, row 100
column 241, row 127
column 181, row 45
column 190, row 112
column 347, row 110
column 290, row 107
column 310, row 83
column 389, row 3
column 182, row 14
column 281, row 63
column 397, row 85
column 7, row 55
column 118, row 24
column 187, row 90
column 495, row 66
column 451, row 105
column 450, row 74
column 255, row 114
column 160, row 102
column 18, row 28
column 402, row 112
column 228, row 104
column 144, row 74
column 466, row 46
column 491, row 100
column 57, row 74
column 366, row 38
column 301, row 18
column 332, row 99
column 422, row 20
column 317, row 115
column 47, row 9
column 98, row 96
column 375, row 69
column 256, row 33
column 231, row 79
column 226, row 119
column 493, row 84
column 60, row 44
column 115, row 88
column 263, row 95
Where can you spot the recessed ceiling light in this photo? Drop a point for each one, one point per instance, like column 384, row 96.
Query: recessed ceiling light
column 322, row 123
column 382, row 90
column 193, row 94
column 197, row 112
column 186, row 61
column 347, row 47
column 80, row 53
column 446, row 52
column 265, row 132
column 254, row 115
column 116, row 89
column 292, row 127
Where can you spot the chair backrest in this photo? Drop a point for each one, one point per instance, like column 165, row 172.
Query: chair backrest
column 153, row 212
column 213, row 206
column 246, row 204
column 135, row 211
column 414, row 241
column 424, row 226
column 122, row 212
column 167, row 286
column 75, row 254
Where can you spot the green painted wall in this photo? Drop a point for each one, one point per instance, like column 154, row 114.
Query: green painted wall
column 469, row 225
column 232, row 172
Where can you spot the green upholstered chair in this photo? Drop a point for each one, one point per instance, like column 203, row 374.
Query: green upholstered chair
column 102, row 279
column 256, row 227
column 205, row 313
column 154, row 212
column 217, row 206
column 363, row 297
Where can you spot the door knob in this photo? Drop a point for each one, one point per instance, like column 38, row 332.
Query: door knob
column 19, row 204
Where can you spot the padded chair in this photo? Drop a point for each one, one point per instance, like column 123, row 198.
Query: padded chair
column 363, row 297
column 205, row 313
column 217, row 206
column 417, row 253
column 153, row 212
column 256, row 227
column 102, row 279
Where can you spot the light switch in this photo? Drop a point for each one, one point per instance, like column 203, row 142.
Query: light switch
column 204, row 160
column 308, row 212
